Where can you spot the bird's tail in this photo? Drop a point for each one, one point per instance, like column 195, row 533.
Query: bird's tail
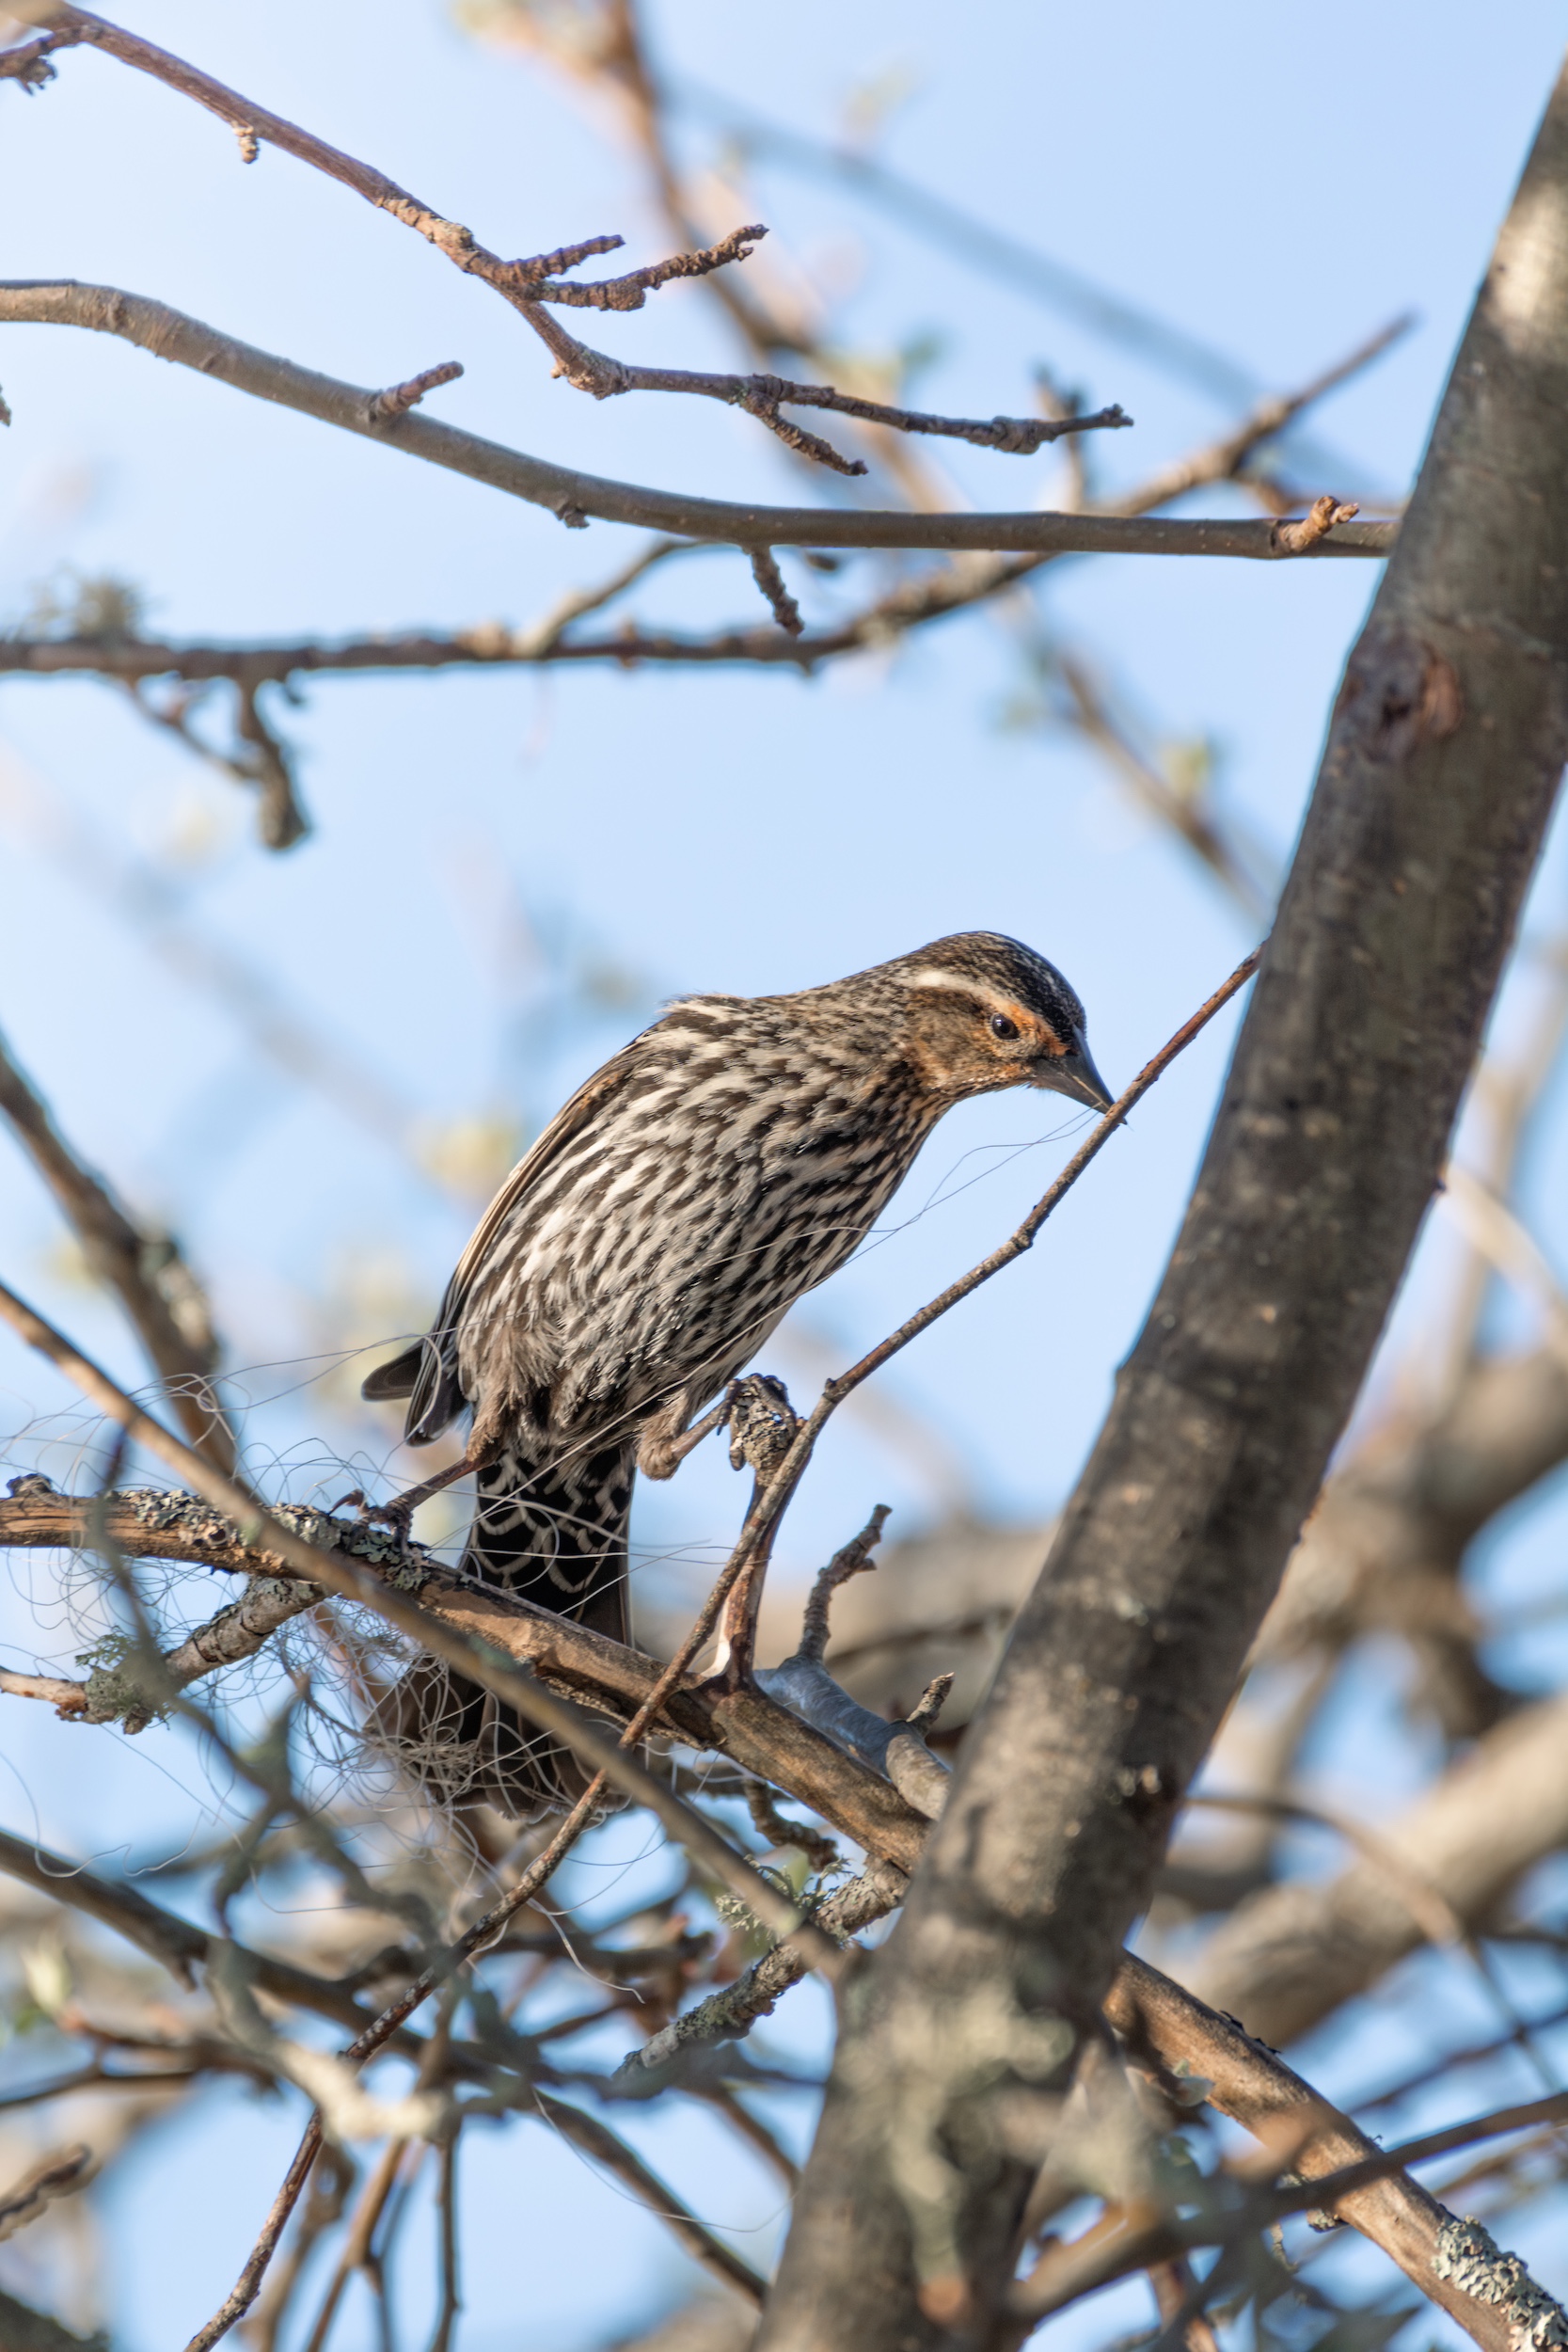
column 551, row 1532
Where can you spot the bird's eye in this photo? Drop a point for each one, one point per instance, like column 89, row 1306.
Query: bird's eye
column 1001, row 1026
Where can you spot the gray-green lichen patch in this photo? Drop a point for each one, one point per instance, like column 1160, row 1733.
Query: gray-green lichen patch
column 1470, row 2259
column 163, row 1511
column 117, row 1685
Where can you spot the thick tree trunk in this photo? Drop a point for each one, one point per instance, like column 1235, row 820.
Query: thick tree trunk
column 1436, row 784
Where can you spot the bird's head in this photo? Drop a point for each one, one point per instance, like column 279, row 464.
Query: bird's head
column 983, row 1011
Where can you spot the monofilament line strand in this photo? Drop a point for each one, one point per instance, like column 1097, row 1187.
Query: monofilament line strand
column 519, row 1689
column 769, row 1506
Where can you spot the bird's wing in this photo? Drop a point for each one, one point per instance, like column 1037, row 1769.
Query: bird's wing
column 564, row 1128
column 426, row 1373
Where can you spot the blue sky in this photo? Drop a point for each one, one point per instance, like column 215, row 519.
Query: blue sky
column 1280, row 182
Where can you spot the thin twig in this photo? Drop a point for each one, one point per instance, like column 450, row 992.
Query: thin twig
column 330, row 2183
column 770, row 581
column 1329, row 2187
column 146, row 1270
column 605, row 2147
column 446, row 2198
column 354, row 2254
column 59, row 2175
column 243, row 2294
column 1092, row 718
column 1300, row 538
column 1226, row 459
column 627, row 292
column 260, row 759
column 397, row 400
column 1456, row 2061
column 730, row 2013
column 852, row 1560
column 779, row 1830
column 527, row 284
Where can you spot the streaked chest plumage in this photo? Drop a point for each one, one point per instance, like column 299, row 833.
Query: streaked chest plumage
column 733, row 1166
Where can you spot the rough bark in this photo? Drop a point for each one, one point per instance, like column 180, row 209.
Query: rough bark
column 1436, row 787
column 1156, row 2020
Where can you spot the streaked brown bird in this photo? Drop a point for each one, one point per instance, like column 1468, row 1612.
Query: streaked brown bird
column 723, row 1163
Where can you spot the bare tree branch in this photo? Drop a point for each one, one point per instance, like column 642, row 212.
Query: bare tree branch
column 397, row 400
column 528, row 285
column 1463, row 2254
column 730, row 2013
column 770, row 581
column 258, row 760
column 762, row 1737
column 1244, row 2079
column 147, row 1271
column 1290, row 1955
column 572, row 495
column 1384, row 1547
column 172, row 1942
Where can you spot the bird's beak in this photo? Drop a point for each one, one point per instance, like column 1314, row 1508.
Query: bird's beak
column 1073, row 1073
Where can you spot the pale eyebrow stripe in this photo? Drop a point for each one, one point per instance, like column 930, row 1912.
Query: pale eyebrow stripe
column 932, row 975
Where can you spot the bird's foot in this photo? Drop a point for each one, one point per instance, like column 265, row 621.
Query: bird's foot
column 762, row 1423
column 397, row 1515
column 665, row 1446
column 757, row 1413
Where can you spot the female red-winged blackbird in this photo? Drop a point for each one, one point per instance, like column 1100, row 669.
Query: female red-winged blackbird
column 723, row 1164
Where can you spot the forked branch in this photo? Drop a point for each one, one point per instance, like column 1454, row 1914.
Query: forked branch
column 533, row 285
column 146, row 1270
column 576, row 498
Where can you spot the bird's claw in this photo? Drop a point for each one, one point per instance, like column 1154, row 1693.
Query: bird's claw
column 398, row 1515
column 762, row 1423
